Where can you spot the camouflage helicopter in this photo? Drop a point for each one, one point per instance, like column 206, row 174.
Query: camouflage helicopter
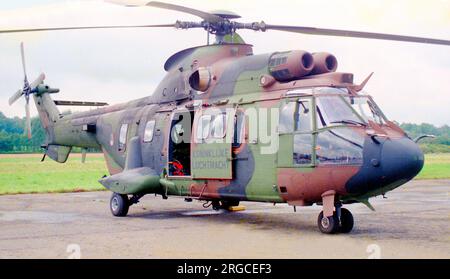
column 226, row 125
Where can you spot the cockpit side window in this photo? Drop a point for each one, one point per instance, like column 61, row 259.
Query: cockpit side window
column 287, row 112
column 341, row 146
column 303, row 137
column 303, row 119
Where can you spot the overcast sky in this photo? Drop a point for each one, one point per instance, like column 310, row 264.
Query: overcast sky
column 411, row 81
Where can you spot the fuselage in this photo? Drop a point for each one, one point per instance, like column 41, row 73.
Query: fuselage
column 244, row 139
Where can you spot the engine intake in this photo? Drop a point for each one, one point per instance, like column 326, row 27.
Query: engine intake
column 200, row 80
column 290, row 65
column 324, row 63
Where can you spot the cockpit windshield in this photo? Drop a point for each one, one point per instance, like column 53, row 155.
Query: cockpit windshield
column 339, row 109
column 366, row 108
column 334, row 110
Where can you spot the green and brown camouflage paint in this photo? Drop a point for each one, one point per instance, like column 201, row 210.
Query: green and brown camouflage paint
column 235, row 82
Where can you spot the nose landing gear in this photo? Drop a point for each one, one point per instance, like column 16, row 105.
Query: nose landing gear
column 334, row 219
column 335, row 223
column 346, row 219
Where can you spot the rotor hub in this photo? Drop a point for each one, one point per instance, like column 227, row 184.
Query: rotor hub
column 225, row 14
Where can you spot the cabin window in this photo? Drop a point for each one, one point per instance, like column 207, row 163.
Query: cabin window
column 149, row 130
column 203, row 127
column 211, row 127
column 218, row 129
column 123, row 137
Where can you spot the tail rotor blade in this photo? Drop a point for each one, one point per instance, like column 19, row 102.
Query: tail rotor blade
column 15, row 97
column 28, row 119
column 38, row 81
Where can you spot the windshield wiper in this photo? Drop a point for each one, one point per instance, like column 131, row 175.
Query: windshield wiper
column 349, row 122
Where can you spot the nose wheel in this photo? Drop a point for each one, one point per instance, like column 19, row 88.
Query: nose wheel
column 337, row 223
column 328, row 225
column 347, row 222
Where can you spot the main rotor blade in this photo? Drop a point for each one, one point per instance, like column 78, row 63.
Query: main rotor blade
column 83, row 27
column 204, row 15
column 15, row 97
column 355, row 34
column 22, row 52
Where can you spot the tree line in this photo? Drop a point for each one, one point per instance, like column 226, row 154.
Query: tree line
column 13, row 138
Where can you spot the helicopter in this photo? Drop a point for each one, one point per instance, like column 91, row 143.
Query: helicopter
column 226, row 125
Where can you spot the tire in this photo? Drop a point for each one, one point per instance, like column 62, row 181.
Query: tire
column 328, row 225
column 119, row 205
column 347, row 221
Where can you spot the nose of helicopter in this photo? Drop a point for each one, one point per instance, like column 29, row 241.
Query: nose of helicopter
column 387, row 165
column 401, row 159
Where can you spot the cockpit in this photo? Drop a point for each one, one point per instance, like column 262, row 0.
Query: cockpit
column 327, row 125
column 335, row 106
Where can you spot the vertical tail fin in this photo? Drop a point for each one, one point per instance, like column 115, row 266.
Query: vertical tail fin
column 48, row 114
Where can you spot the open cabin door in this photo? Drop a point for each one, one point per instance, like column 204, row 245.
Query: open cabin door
column 212, row 137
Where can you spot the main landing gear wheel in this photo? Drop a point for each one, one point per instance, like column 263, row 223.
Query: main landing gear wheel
column 119, row 205
column 346, row 221
column 328, row 225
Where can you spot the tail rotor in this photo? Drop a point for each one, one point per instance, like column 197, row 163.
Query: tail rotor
column 36, row 87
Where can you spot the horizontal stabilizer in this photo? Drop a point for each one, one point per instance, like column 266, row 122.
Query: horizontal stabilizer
column 58, row 153
column 80, row 103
